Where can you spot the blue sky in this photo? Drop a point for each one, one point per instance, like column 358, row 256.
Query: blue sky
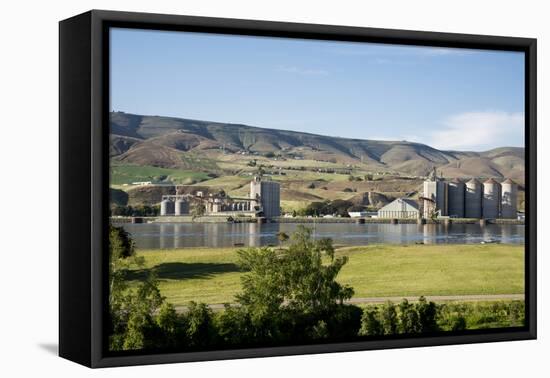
column 447, row 98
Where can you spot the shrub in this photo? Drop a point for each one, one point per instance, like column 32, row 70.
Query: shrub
column 344, row 321
column 427, row 316
column 406, row 318
column 199, row 325
column 389, row 319
column 370, row 323
column 409, row 320
column 234, row 326
column 459, row 323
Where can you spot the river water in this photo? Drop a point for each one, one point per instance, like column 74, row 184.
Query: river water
column 181, row 235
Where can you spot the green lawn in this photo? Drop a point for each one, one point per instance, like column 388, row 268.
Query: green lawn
column 211, row 275
column 414, row 270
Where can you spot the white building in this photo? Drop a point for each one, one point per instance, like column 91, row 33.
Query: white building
column 400, row 208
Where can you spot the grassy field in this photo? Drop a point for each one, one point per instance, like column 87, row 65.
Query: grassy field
column 211, row 275
column 126, row 174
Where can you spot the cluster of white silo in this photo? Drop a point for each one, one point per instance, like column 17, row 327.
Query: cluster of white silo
column 174, row 205
column 472, row 199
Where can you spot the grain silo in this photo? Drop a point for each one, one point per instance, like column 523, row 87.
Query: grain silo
column 268, row 195
column 491, row 199
column 456, row 199
column 166, row 207
column 509, row 199
column 436, row 191
column 472, row 199
column 181, row 207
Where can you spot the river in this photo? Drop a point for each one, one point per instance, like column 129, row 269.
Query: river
column 181, row 235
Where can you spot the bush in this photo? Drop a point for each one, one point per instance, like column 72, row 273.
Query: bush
column 427, row 316
column 409, row 320
column 234, row 326
column 370, row 323
column 344, row 321
column 406, row 318
column 389, row 319
column 199, row 325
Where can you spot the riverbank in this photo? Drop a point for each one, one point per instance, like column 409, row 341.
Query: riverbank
column 211, row 275
column 306, row 220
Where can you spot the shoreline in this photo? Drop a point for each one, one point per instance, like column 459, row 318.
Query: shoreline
column 305, row 220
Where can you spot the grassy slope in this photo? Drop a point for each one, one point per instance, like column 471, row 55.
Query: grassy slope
column 126, row 174
column 210, row 275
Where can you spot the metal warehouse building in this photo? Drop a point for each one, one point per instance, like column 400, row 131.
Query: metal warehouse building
column 400, row 208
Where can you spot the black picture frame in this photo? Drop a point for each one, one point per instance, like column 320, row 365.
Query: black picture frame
column 84, row 163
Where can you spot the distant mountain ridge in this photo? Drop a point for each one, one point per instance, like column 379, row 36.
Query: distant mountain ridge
column 160, row 141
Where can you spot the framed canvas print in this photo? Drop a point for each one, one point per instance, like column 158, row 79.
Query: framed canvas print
column 234, row 188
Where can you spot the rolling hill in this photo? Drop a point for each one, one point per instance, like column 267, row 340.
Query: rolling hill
column 195, row 145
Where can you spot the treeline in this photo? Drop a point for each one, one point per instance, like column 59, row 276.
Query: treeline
column 135, row 211
column 337, row 207
column 289, row 296
column 428, row 317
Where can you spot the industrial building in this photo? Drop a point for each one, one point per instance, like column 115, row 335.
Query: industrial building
column 264, row 200
column 402, row 208
column 268, row 195
column 473, row 199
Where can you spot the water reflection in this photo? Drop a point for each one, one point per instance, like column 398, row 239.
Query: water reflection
column 181, row 235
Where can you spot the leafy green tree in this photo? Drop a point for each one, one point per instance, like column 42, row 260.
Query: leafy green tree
column 427, row 316
column 287, row 292
column 370, row 323
column 389, row 319
column 309, row 284
column 199, row 324
column 234, row 326
column 132, row 311
column 197, row 209
column 409, row 321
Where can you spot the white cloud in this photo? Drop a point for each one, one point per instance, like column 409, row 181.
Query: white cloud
column 480, row 130
column 384, row 51
column 302, row 71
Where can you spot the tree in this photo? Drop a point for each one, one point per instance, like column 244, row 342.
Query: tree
column 199, row 325
column 198, row 209
column 427, row 315
column 296, row 285
column 389, row 319
column 132, row 311
column 409, row 320
column 370, row 323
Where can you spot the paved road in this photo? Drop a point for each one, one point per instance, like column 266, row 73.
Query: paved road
column 433, row 298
